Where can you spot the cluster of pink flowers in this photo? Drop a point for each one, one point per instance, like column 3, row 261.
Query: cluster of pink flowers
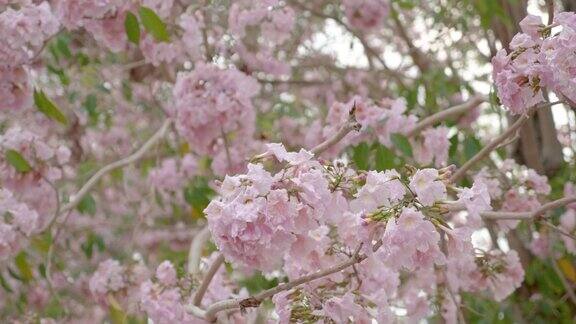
column 165, row 297
column 381, row 121
column 275, row 22
column 260, row 215
column 310, row 216
column 171, row 175
column 17, row 223
column 512, row 188
column 46, row 162
column 214, row 111
column 366, row 15
column 540, row 58
column 24, row 32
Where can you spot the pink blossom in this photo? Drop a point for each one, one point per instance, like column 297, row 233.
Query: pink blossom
column 166, row 273
column 341, row 309
column 365, row 14
column 109, row 277
column 15, row 89
column 476, row 200
column 411, row 242
column 380, row 189
column 427, row 186
column 160, row 52
column 24, row 32
column 211, row 102
column 531, row 25
column 434, row 147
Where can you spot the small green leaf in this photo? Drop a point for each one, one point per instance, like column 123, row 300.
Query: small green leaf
column 62, row 45
column 17, row 161
column 402, row 143
column 132, row 28
column 471, row 147
column 117, row 314
column 48, row 108
column 384, row 158
column 87, row 205
column 361, row 156
column 153, row 24
column 23, row 267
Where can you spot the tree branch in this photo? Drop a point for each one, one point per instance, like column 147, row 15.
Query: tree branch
column 446, row 113
column 255, row 300
column 486, row 150
column 207, row 279
column 76, row 198
column 195, row 252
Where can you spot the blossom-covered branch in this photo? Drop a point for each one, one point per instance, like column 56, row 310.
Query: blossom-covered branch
column 486, row 150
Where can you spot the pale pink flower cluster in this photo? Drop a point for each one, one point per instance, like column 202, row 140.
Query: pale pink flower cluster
column 15, row 88
column 44, row 158
column 104, row 20
column 524, row 196
column 411, row 242
column 380, row 122
column 164, row 299
column 17, row 223
column 476, row 200
column 380, row 189
column 275, row 22
column 109, row 277
column 24, row 32
column 428, row 186
column 259, row 215
column 501, row 273
column 432, row 146
column 171, row 174
column 211, row 103
column 366, row 15
column 540, row 58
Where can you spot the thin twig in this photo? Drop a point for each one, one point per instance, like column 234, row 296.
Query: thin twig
column 76, row 198
column 495, row 142
column 207, row 279
column 195, row 252
column 255, row 300
column 446, row 113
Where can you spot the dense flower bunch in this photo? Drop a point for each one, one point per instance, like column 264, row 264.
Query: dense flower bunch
column 540, row 57
column 223, row 161
column 211, row 103
column 381, row 121
column 272, row 21
column 24, row 32
column 321, row 213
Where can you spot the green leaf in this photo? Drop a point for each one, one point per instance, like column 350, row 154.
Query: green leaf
column 361, row 156
column 198, row 194
column 153, row 24
column 5, row 284
column 90, row 104
column 117, row 314
column 17, row 161
column 384, row 158
column 23, row 267
column 87, row 205
column 401, row 142
column 62, row 45
column 48, row 108
column 471, row 147
column 132, row 28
